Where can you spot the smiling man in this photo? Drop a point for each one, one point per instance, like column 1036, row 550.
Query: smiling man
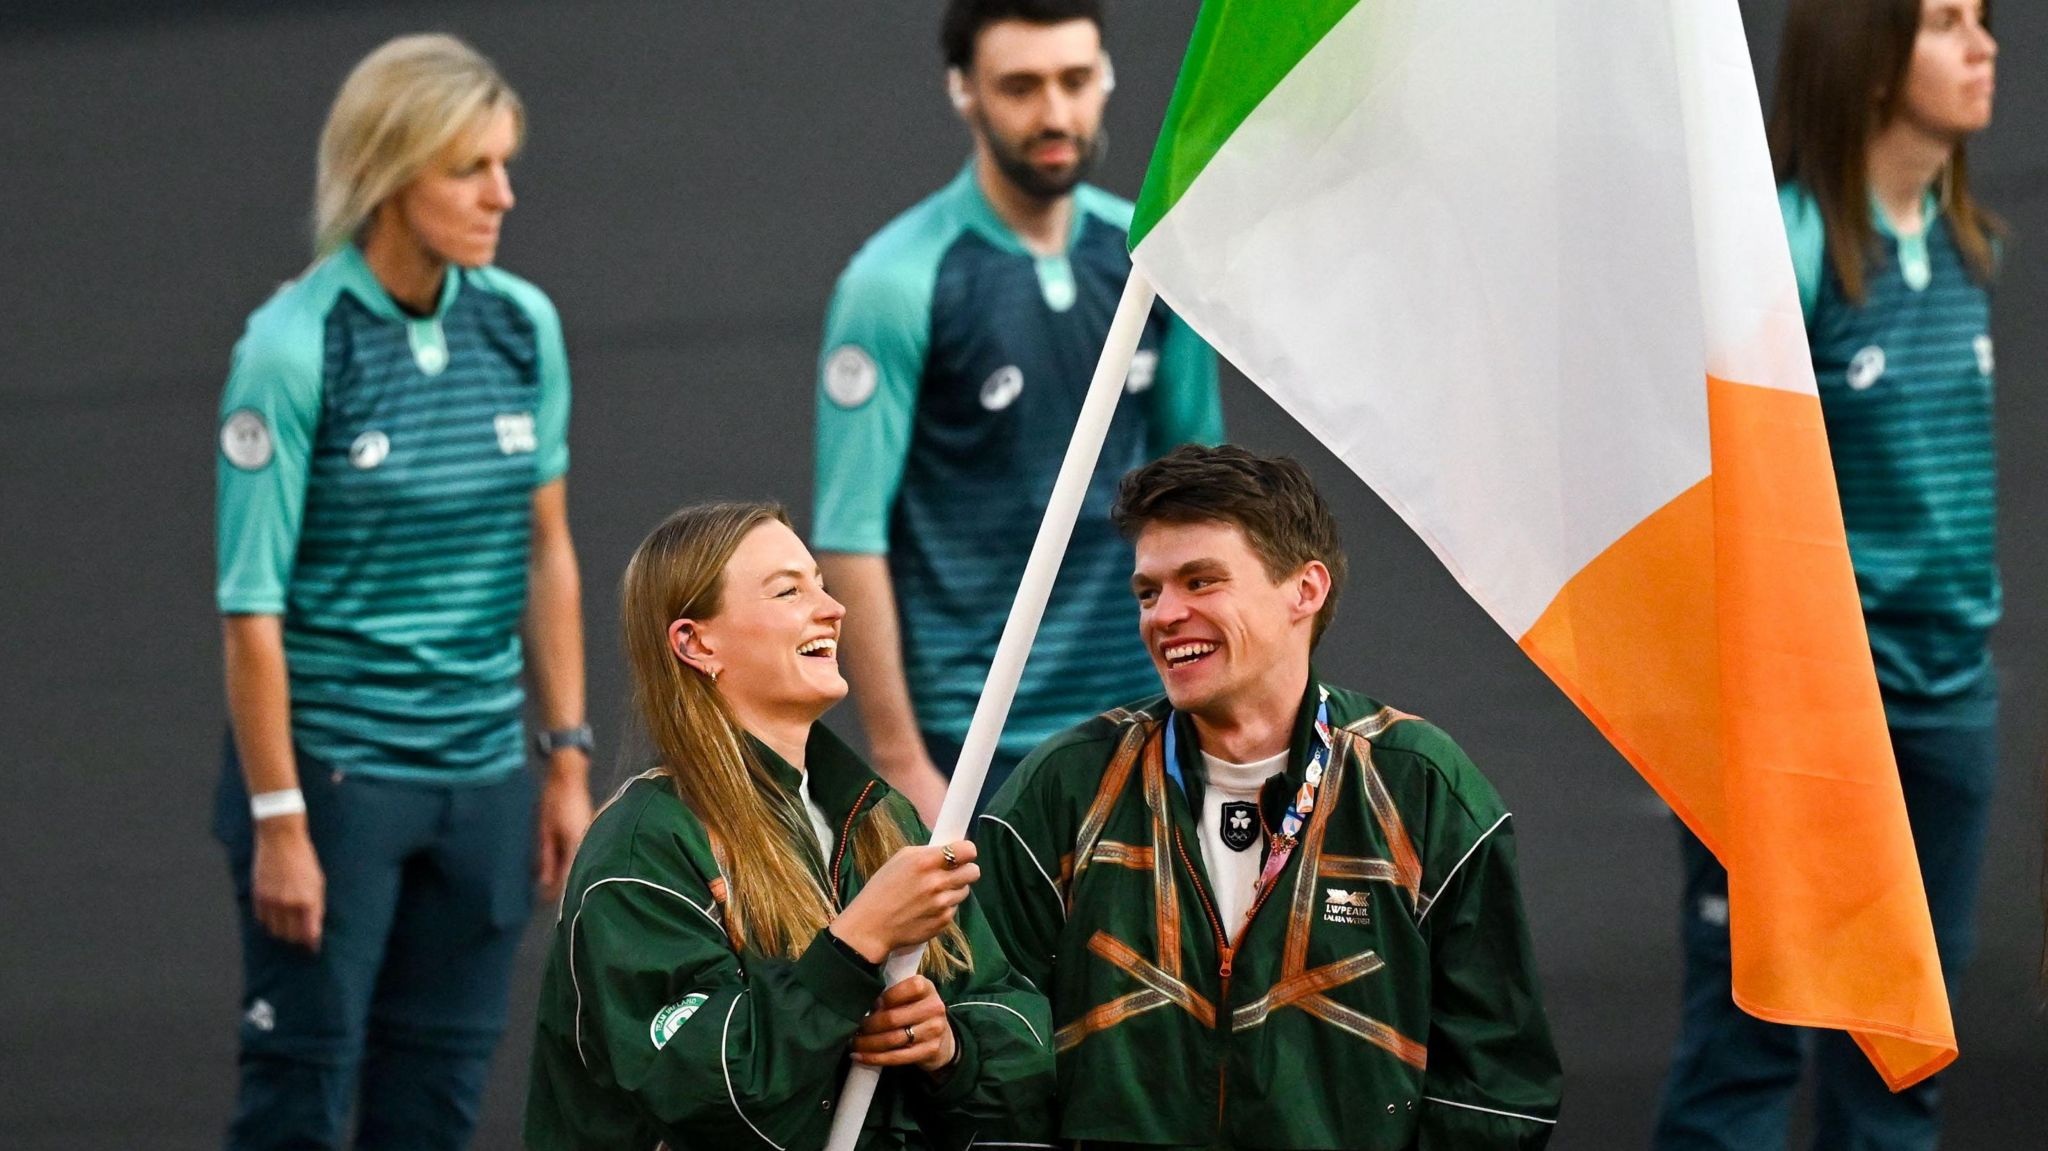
column 1269, row 912
column 957, row 352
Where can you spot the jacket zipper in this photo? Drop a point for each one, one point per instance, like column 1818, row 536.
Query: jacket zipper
column 1223, row 946
column 1226, row 953
column 839, row 849
column 1226, row 949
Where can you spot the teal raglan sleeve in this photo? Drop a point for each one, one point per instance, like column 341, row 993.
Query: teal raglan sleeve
column 1807, row 237
column 1187, row 407
column 716, row 1054
column 1493, row 1077
column 269, row 413
column 877, row 332
column 551, row 413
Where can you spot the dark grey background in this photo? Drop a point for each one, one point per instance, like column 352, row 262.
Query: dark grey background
column 697, row 173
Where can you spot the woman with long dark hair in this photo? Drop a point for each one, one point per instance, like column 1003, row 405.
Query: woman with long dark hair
column 1894, row 258
column 716, row 961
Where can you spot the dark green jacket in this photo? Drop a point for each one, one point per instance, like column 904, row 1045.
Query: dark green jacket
column 1382, row 995
column 652, row 1029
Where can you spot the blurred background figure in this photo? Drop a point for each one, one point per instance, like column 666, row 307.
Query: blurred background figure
column 958, row 348
column 392, row 505
column 1894, row 258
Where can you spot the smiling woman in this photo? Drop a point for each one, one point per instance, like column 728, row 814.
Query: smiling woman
column 760, row 875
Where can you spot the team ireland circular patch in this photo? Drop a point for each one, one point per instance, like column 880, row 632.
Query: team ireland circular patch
column 245, row 439
column 850, row 376
column 670, row 1019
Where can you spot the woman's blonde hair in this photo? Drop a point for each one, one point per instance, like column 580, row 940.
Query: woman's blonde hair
column 773, row 901
column 396, row 112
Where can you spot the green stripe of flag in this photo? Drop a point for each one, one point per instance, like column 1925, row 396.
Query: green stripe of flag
column 1239, row 52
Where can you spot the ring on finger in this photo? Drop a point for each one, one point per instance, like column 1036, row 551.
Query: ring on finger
column 946, row 853
column 909, row 1036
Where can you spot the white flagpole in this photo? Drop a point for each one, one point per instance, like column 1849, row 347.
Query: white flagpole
column 1053, row 533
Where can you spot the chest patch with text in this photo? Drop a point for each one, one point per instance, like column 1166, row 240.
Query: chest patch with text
column 1342, row 906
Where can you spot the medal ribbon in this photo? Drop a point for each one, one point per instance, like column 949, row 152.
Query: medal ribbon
column 1304, row 798
column 1304, row 802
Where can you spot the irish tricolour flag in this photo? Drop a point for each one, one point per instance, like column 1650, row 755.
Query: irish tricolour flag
column 1520, row 265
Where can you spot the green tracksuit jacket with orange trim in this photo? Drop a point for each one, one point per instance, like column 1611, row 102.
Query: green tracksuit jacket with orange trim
column 1380, row 996
column 652, row 1030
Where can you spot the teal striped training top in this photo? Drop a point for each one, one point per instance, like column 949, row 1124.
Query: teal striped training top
column 1906, row 389
column 953, row 370
column 376, row 475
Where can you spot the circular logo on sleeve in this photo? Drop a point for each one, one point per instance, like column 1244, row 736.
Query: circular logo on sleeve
column 670, row 1019
column 850, row 376
column 245, row 439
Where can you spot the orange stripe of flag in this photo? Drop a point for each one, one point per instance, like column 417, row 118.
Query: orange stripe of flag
column 1720, row 646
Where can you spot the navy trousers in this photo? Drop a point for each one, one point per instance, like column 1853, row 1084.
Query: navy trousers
column 1733, row 1076
column 396, row 1017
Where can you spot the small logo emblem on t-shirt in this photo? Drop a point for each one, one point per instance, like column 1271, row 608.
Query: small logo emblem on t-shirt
column 670, row 1019
column 369, row 450
column 261, row 1016
column 1865, row 367
column 1002, row 387
column 245, row 439
column 429, row 346
column 1240, row 825
column 1341, row 906
column 515, row 432
column 1144, row 364
column 1985, row 360
column 850, row 376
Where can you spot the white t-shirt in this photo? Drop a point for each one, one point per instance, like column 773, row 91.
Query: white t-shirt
column 820, row 826
column 1232, row 833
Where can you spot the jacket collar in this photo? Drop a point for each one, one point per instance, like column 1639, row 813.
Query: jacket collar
column 838, row 777
column 1190, row 770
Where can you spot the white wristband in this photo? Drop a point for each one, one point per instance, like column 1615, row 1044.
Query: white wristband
column 271, row 804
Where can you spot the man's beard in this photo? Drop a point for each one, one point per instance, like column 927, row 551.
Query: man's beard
column 1034, row 181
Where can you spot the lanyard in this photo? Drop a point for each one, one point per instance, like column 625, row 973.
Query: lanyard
column 1304, row 802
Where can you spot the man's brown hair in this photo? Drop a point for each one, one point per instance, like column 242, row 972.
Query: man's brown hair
column 1270, row 498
